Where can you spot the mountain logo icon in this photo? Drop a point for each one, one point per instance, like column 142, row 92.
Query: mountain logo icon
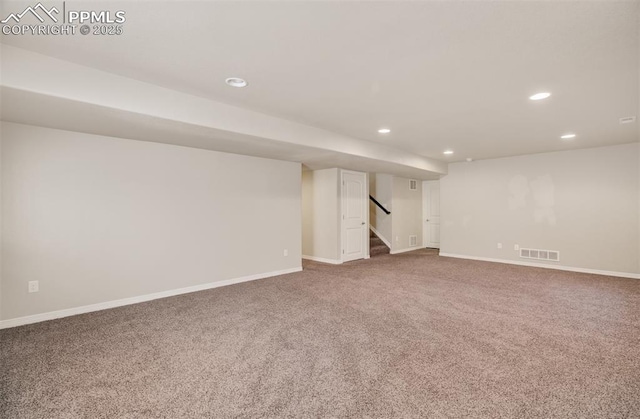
column 34, row 11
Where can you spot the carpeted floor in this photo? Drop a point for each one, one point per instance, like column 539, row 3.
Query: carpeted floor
column 410, row 335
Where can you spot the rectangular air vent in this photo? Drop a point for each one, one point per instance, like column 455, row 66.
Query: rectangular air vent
column 628, row 120
column 413, row 185
column 413, row 241
column 538, row 254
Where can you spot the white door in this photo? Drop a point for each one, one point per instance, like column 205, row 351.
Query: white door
column 431, row 213
column 354, row 216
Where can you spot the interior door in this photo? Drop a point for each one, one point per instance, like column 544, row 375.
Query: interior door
column 431, row 213
column 354, row 216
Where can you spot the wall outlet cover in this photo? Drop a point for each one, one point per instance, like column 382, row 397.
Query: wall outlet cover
column 34, row 286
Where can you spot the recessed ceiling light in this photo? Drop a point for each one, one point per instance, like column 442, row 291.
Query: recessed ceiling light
column 568, row 136
column 469, row 159
column 236, row 82
column 540, row 96
column 384, row 130
column 447, row 152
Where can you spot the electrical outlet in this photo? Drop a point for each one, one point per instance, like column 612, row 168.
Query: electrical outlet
column 34, row 286
column 499, row 245
column 397, row 239
column 286, row 252
column 516, row 247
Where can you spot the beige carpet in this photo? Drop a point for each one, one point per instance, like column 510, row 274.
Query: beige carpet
column 411, row 335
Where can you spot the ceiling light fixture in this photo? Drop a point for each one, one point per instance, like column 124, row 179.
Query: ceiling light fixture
column 236, row 82
column 568, row 136
column 447, row 152
column 384, row 130
column 540, row 96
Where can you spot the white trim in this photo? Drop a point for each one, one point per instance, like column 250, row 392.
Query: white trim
column 323, row 260
column 19, row 321
column 410, row 249
column 546, row 266
column 377, row 233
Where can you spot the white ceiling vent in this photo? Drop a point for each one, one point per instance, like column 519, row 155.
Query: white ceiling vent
column 413, row 185
column 628, row 120
column 413, row 241
column 552, row 255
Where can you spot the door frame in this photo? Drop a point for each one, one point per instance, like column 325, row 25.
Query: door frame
column 365, row 230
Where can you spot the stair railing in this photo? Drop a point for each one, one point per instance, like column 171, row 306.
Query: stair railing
column 375, row 201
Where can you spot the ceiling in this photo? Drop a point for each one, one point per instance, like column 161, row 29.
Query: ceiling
column 440, row 75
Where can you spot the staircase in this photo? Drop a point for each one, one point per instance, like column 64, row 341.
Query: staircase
column 376, row 245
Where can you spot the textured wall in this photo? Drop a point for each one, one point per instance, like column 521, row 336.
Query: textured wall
column 383, row 192
column 583, row 203
column 321, row 214
column 407, row 214
column 96, row 219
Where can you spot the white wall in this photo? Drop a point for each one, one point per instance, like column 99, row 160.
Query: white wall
column 406, row 211
column 372, row 207
column 1, row 195
column 97, row 219
column 584, row 203
column 638, row 138
column 382, row 190
column 321, row 214
column 406, row 215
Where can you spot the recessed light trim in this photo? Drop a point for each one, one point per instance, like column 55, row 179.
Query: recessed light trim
column 236, row 82
column 568, row 136
column 448, row 152
column 384, row 130
column 628, row 120
column 540, row 96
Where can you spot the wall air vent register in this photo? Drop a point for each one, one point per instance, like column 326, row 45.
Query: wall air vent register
column 538, row 254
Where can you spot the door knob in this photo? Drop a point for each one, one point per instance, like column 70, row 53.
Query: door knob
column 363, row 223
column 427, row 220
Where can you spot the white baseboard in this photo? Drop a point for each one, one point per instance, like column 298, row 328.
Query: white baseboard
column 323, row 260
column 36, row 318
column 409, row 249
column 546, row 266
column 377, row 233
